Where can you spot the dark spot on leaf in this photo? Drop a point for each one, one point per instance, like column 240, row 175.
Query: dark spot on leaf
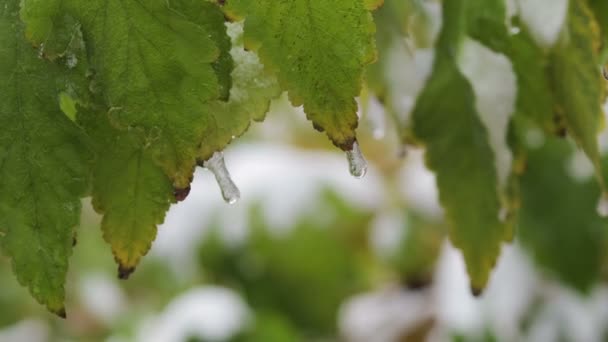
column 125, row 272
column 61, row 313
column 181, row 194
column 317, row 127
column 475, row 291
column 74, row 240
column 347, row 145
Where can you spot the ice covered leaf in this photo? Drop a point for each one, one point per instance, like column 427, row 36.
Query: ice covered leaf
column 43, row 166
column 253, row 89
column 558, row 222
column 458, row 151
column 129, row 190
column 319, row 50
column 157, row 67
column 577, row 81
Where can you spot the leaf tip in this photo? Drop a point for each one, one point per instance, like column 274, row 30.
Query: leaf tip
column 125, row 272
column 476, row 291
column 61, row 313
column 181, row 193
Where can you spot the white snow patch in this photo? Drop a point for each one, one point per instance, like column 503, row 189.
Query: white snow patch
column 495, row 85
column 545, row 18
column 208, row 313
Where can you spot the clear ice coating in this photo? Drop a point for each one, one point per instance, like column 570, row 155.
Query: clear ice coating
column 356, row 161
column 217, row 166
column 602, row 206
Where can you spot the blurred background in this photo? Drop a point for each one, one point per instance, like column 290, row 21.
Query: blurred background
column 310, row 253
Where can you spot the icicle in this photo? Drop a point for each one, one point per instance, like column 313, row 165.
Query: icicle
column 356, row 161
column 602, row 206
column 216, row 165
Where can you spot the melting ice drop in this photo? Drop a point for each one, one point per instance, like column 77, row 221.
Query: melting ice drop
column 217, row 166
column 356, row 161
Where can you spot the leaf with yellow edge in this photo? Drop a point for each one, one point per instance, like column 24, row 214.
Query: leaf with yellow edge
column 319, row 50
column 129, row 190
column 577, row 81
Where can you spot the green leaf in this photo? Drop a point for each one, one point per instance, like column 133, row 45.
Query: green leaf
column 600, row 10
column 577, row 81
column 445, row 119
column 129, row 190
column 558, row 222
column 319, row 50
column 43, row 166
column 253, row 89
column 207, row 15
column 155, row 67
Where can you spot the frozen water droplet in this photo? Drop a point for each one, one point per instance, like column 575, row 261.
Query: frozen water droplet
column 217, row 166
column 602, row 206
column 356, row 161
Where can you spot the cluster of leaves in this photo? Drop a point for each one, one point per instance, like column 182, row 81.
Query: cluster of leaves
column 560, row 91
column 121, row 99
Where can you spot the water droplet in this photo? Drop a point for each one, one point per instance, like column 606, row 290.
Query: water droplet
column 602, row 206
column 217, row 166
column 356, row 161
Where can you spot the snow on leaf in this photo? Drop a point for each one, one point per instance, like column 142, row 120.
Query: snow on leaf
column 253, row 89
